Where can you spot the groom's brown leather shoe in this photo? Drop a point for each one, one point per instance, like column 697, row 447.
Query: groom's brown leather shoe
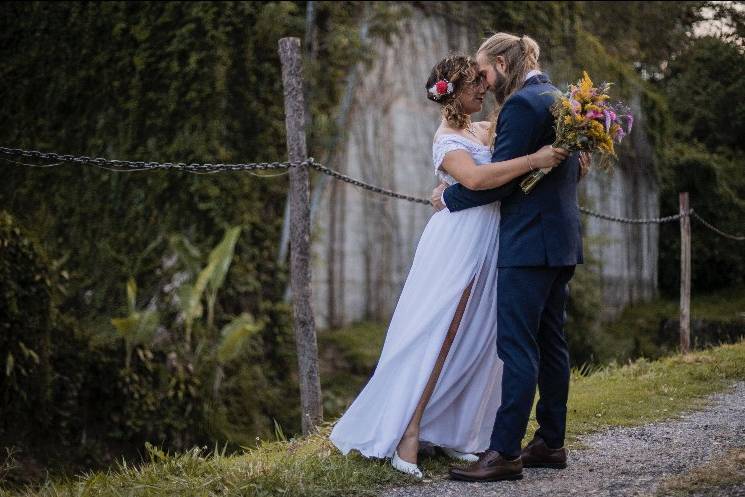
column 538, row 455
column 491, row 466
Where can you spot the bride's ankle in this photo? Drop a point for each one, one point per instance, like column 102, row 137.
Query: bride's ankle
column 408, row 447
column 408, row 439
column 410, row 434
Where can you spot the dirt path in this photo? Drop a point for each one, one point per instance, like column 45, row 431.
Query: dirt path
column 623, row 461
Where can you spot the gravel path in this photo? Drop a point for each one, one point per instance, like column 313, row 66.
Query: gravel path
column 621, row 461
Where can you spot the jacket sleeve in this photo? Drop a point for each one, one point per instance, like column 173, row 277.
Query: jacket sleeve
column 518, row 124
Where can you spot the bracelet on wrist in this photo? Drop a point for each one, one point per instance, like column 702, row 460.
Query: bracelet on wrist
column 530, row 162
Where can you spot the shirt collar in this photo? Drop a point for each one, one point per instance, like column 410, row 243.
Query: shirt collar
column 534, row 72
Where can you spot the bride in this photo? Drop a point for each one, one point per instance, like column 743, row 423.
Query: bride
column 438, row 377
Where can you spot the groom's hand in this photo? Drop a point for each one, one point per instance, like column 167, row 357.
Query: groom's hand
column 436, row 198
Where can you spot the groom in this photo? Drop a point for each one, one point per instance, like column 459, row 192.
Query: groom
column 539, row 246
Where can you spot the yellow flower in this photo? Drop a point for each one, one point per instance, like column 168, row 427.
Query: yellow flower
column 585, row 86
column 586, row 82
column 596, row 127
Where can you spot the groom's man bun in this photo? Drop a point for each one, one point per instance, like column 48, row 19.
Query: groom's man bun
column 520, row 55
column 461, row 71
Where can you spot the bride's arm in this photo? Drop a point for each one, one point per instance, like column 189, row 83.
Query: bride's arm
column 460, row 165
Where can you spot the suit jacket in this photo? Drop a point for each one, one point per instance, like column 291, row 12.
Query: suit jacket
column 541, row 228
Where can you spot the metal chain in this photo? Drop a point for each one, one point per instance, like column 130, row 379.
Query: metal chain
column 362, row 184
column 717, row 230
column 121, row 165
column 655, row 220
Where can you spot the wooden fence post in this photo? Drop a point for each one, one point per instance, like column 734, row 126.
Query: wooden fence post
column 305, row 330
column 685, row 273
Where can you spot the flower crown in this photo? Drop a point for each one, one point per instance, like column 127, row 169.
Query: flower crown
column 440, row 89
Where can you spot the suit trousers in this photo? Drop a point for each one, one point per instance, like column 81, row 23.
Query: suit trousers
column 531, row 311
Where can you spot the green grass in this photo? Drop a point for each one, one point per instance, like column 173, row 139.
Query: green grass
column 359, row 345
column 628, row 395
column 348, row 357
column 727, row 305
column 647, row 391
column 637, row 331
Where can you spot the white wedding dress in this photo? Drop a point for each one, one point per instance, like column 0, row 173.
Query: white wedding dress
column 454, row 249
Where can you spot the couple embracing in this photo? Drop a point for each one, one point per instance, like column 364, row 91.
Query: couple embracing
column 479, row 323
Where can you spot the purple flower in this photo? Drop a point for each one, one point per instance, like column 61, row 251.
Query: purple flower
column 619, row 135
column 610, row 118
column 576, row 106
column 631, row 122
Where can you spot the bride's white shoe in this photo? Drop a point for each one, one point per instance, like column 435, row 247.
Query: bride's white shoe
column 406, row 467
column 459, row 456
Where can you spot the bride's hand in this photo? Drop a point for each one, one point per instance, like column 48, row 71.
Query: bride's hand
column 548, row 156
column 436, row 198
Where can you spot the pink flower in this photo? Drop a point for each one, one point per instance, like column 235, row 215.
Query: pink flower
column 441, row 87
column 593, row 114
column 576, row 106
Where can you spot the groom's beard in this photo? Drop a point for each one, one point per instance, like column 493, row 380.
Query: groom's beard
column 500, row 87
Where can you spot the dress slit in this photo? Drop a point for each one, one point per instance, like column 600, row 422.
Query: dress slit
column 436, row 372
column 450, row 336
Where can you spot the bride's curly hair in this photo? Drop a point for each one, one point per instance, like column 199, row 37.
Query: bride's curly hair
column 461, row 71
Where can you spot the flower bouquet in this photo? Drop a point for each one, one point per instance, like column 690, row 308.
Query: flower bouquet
column 586, row 122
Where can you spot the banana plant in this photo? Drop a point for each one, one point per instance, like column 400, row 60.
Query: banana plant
column 187, row 253
column 209, row 280
column 220, row 258
column 234, row 334
column 232, row 338
column 138, row 327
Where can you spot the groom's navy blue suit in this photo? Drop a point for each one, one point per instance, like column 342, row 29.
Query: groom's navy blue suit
column 539, row 245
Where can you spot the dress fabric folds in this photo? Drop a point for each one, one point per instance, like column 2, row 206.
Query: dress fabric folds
column 454, row 249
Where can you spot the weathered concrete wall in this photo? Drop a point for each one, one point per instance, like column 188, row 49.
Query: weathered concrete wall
column 364, row 243
column 627, row 253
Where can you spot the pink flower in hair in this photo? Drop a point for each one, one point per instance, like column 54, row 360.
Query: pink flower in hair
column 441, row 88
